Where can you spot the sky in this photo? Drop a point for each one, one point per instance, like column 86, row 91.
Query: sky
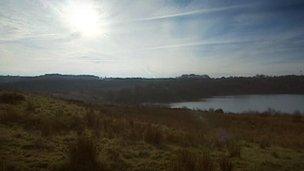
column 152, row 38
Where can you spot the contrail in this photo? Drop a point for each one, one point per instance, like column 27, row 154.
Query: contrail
column 200, row 44
column 218, row 43
column 199, row 11
column 188, row 13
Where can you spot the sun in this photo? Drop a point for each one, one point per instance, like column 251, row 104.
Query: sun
column 82, row 17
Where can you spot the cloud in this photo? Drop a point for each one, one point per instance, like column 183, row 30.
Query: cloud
column 203, row 43
column 195, row 12
column 154, row 38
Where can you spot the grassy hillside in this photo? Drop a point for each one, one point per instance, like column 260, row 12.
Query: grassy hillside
column 42, row 133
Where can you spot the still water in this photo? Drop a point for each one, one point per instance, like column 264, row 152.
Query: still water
column 285, row 103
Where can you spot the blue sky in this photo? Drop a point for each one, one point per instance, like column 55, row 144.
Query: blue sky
column 156, row 38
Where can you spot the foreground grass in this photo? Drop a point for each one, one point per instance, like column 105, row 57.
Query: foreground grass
column 41, row 133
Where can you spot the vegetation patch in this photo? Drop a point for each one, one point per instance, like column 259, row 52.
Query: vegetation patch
column 43, row 133
column 11, row 98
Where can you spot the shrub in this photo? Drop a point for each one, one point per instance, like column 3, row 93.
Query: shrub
column 205, row 163
column 297, row 116
column 5, row 166
column 219, row 111
column 90, row 119
column 11, row 115
column 50, row 125
column 153, row 135
column 76, row 123
column 224, row 137
column 83, row 155
column 275, row 155
column 225, row 164
column 11, row 98
column 46, row 127
column 264, row 143
column 234, row 149
column 30, row 107
column 186, row 160
column 211, row 110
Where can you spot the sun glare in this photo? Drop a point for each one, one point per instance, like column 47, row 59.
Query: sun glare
column 82, row 17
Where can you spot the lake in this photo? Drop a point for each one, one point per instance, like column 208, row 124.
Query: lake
column 287, row 103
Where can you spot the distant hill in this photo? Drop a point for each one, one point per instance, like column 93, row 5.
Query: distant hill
column 68, row 77
column 138, row 90
column 6, row 79
column 194, row 76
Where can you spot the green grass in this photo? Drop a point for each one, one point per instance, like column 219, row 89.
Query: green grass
column 42, row 133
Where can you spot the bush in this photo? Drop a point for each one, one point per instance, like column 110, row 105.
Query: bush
column 153, row 135
column 186, row 160
column 297, row 116
column 5, row 166
column 11, row 98
column 219, row 111
column 46, row 127
column 30, row 107
column 225, row 164
column 205, row 163
column 264, row 143
column 90, row 119
column 76, row 123
column 11, row 115
column 234, row 149
column 83, row 155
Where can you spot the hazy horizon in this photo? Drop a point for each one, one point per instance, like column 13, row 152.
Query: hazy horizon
column 103, row 76
column 151, row 39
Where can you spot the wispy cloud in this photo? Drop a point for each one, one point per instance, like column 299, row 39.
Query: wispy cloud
column 195, row 12
column 202, row 43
